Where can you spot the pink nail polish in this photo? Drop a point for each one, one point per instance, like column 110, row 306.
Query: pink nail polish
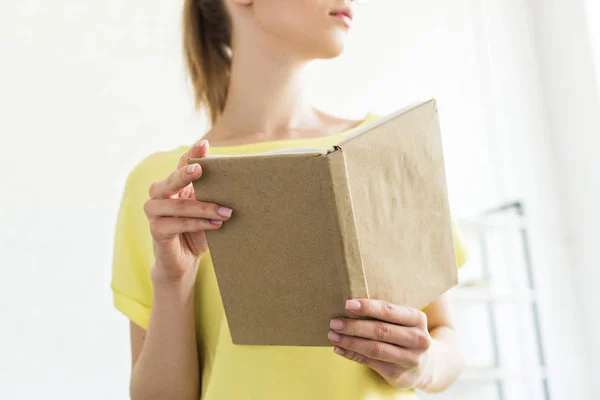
column 224, row 212
column 352, row 305
column 191, row 168
column 336, row 324
column 334, row 337
column 339, row 351
column 200, row 143
column 215, row 222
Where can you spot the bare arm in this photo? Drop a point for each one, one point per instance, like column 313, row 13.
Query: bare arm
column 444, row 361
column 165, row 361
column 165, row 358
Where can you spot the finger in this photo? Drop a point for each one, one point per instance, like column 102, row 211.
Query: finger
column 187, row 193
column 382, row 331
column 186, row 208
column 175, row 182
column 168, row 227
column 386, row 311
column 198, row 150
column 383, row 368
column 377, row 350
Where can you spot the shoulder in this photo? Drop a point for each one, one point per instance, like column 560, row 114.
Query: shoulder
column 339, row 124
column 154, row 167
column 131, row 214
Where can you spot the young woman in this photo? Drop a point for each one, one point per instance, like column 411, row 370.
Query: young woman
column 246, row 59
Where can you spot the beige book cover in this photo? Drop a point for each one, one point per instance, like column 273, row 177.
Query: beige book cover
column 367, row 219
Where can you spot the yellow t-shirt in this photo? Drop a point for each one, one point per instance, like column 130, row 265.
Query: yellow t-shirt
column 234, row 372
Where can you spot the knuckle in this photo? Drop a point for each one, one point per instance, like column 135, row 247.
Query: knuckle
column 418, row 339
column 155, row 228
column 376, row 350
column 418, row 316
column 359, row 358
column 152, row 189
column 423, row 340
column 148, row 207
column 414, row 360
column 382, row 331
column 411, row 315
column 389, row 308
column 397, row 373
column 169, row 179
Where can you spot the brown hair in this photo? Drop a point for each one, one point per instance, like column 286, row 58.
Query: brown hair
column 207, row 52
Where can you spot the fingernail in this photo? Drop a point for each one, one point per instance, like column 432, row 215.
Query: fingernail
column 352, row 305
column 215, row 222
column 334, row 337
column 339, row 351
column 336, row 324
column 200, row 143
column 224, row 212
column 191, row 168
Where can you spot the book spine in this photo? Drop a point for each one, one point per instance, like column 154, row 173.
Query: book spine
column 344, row 235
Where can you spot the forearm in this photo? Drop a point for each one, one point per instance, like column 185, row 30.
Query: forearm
column 167, row 367
column 444, row 361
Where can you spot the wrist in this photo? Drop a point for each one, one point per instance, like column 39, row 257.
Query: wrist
column 167, row 285
column 427, row 370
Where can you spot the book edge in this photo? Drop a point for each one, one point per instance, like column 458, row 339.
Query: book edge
column 350, row 265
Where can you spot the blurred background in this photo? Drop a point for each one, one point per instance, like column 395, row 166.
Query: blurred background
column 88, row 89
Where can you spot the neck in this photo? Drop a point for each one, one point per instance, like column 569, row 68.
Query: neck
column 265, row 95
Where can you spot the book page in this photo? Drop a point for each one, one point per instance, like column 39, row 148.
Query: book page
column 381, row 121
column 309, row 150
column 297, row 150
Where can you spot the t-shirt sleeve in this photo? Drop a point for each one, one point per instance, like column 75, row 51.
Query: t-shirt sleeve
column 132, row 252
column 460, row 247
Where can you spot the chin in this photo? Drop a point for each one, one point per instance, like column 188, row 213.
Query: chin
column 331, row 48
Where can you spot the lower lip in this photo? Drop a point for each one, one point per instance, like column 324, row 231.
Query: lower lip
column 344, row 18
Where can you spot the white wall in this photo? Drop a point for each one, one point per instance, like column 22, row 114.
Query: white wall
column 518, row 126
column 568, row 36
column 88, row 89
column 592, row 13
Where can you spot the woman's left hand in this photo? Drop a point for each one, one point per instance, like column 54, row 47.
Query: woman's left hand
column 396, row 344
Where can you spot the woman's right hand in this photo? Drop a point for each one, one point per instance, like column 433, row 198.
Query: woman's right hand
column 178, row 221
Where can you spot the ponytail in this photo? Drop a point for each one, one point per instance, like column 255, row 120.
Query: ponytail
column 207, row 52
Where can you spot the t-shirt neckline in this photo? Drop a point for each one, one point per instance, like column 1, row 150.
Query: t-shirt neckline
column 278, row 144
